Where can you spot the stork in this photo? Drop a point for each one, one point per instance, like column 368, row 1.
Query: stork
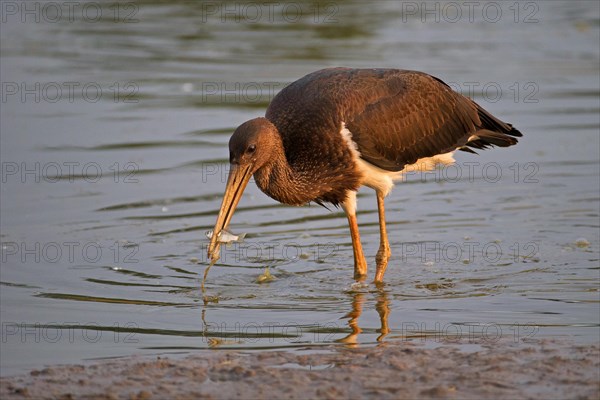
column 337, row 129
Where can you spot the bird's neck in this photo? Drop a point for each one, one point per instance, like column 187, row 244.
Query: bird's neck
column 278, row 180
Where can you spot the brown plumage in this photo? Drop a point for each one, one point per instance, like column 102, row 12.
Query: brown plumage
column 330, row 132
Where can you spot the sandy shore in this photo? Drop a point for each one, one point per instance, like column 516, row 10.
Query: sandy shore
column 393, row 370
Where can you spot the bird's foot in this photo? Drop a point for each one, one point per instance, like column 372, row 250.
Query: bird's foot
column 360, row 266
column 359, row 277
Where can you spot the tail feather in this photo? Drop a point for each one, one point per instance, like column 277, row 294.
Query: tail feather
column 492, row 132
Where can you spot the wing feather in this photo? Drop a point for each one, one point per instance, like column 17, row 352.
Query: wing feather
column 424, row 118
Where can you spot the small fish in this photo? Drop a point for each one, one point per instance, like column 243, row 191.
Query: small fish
column 226, row 237
column 265, row 277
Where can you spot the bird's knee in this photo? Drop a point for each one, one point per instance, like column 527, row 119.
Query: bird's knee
column 384, row 252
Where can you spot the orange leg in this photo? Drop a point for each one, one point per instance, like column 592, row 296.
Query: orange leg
column 360, row 264
column 384, row 253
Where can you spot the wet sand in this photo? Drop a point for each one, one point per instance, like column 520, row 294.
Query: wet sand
column 542, row 369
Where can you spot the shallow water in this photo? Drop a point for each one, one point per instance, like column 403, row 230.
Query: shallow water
column 108, row 188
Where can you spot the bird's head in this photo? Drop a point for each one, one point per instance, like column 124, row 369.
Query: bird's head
column 251, row 144
column 250, row 148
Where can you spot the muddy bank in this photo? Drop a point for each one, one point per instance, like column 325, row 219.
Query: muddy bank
column 401, row 370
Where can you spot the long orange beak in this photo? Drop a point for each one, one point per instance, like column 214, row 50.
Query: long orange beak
column 239, row 176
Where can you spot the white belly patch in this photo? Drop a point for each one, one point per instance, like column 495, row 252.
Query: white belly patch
column 382, row 180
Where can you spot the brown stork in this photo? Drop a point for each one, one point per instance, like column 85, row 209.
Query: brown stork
column 334, row 130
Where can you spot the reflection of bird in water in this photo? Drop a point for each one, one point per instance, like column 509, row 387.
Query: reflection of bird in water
column 358, row 300
column 214, row 341
column 337, row 129
column 383, row 309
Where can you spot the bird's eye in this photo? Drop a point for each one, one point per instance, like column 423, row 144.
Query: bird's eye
column 251, row 149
